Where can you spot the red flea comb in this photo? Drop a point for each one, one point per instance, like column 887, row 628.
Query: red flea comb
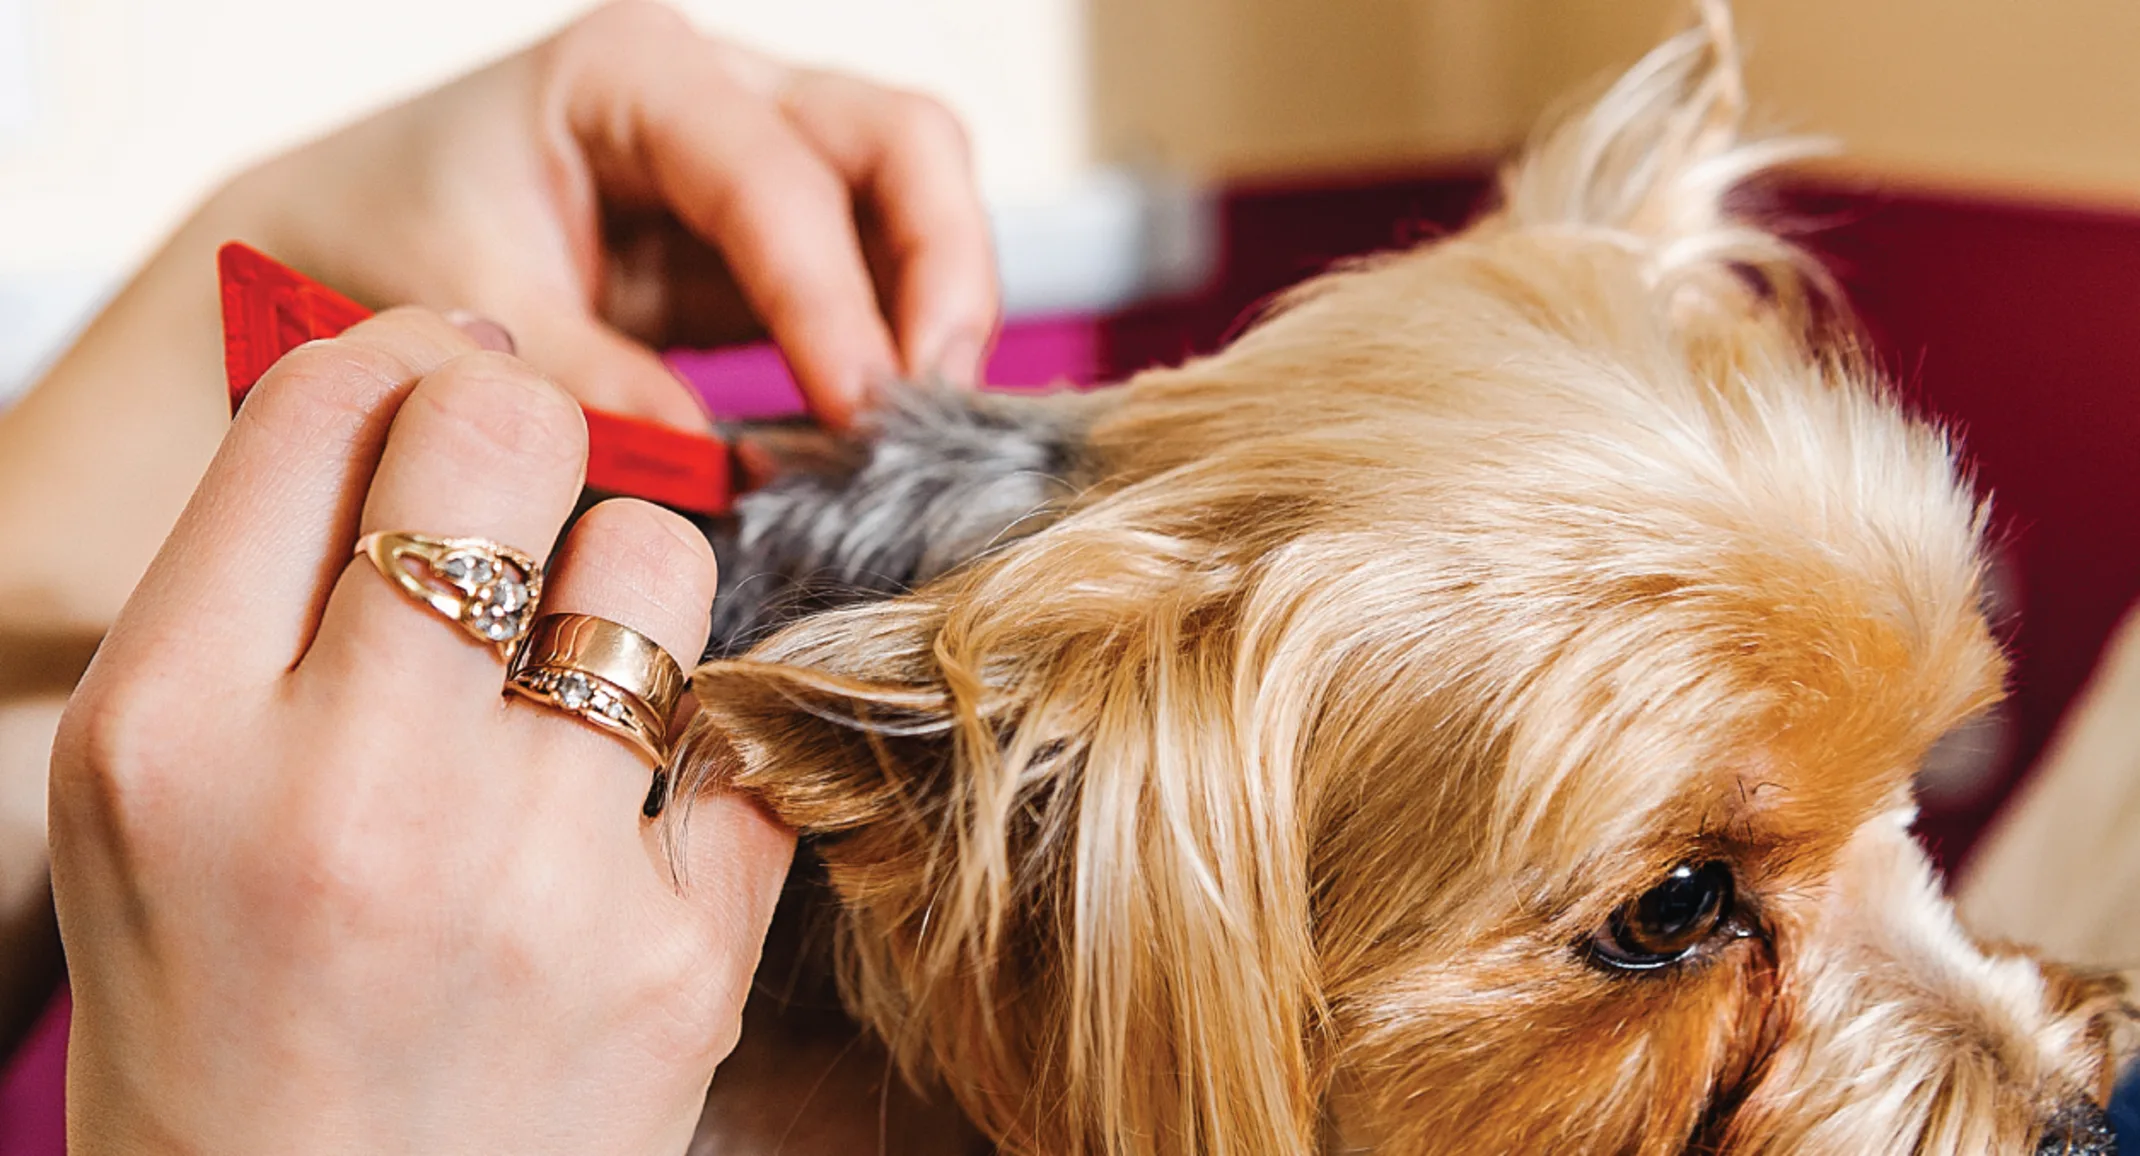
column 270, row 309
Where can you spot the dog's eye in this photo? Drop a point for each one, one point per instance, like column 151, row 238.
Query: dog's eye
column 1668, row 921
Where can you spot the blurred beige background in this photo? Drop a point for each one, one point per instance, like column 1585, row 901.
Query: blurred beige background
column 2024, row 96
column 130, row 109
column 117, row 114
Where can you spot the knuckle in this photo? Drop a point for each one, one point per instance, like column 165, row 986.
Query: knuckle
column 332, row 869
column 787, row 185
column 628, row 21
column 334, row 376
column 701, row 996
column 646, row 568
column 382, row 351
column 334, row 893
column 399, row 323
column 923, row 123
column 115, row 758
column 686, row 536
column 644, row 538
column 101, row 738
column 492, row 405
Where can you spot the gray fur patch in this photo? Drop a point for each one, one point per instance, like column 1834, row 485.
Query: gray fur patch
column 939, row 478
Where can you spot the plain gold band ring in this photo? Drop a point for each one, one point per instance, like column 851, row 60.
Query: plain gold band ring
column 605, row 674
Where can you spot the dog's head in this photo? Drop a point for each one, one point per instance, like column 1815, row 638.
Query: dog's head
column 1472, row 713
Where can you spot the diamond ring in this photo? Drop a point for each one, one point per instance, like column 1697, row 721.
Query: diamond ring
column 489, row 589
column 604, row 673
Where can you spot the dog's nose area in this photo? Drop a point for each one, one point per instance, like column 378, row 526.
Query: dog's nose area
column 2079, row 1129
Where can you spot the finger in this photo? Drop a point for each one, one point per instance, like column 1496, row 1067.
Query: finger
column 483, row 447
column 907, row 157
column 736, row 173
column 241, row 581
column 732, row 859
column 645, row 568
column 608, row 370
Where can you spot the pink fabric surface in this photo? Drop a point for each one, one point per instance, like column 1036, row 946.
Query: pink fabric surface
column 751, row 382
column 32, row 1109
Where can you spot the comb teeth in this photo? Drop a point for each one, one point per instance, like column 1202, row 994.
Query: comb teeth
column 270, row 309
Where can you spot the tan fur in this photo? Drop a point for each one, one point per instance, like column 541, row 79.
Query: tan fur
column 1261, row 802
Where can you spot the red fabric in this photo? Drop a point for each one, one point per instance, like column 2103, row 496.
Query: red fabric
column 2015, row 322
column 270, row 309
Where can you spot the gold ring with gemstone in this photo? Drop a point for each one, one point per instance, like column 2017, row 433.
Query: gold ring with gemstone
column 604, row 673
column 489, row 589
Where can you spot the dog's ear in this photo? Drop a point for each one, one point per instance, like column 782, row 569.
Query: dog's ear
column 1649, row 165
column 1073, row 875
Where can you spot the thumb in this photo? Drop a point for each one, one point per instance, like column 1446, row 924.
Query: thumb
column 607, row 370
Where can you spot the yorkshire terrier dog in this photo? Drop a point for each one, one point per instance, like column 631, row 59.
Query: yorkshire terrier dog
column 1472, row 713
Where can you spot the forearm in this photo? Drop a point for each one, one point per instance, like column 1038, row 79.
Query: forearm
column 98, row 458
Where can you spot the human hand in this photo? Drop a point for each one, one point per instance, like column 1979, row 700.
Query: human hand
column 630, row 184
column 624, row 185
column 323, row 888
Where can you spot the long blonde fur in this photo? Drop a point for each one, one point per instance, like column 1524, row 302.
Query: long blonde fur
column 1244, row 807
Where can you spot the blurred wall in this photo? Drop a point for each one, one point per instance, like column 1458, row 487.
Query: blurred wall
column 2030, row 97
column 116, row 114
column 1235, row 88
column 2023, row 96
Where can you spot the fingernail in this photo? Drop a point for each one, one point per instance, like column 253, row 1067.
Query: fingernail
column 960, row 361
column 483, row 331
